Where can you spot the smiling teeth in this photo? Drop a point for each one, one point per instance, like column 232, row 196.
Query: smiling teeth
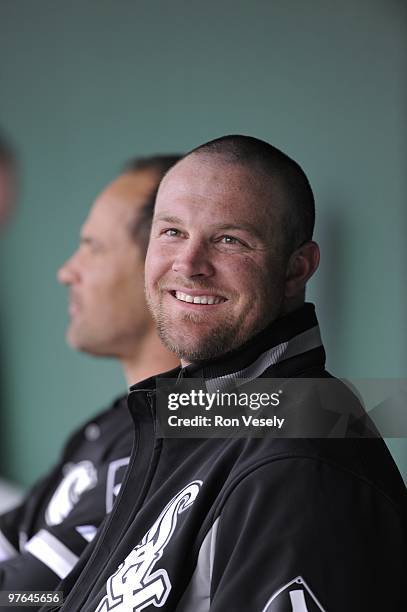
column 198, row 299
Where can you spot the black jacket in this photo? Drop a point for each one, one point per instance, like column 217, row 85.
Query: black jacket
column 42, row 539
column 249, row 524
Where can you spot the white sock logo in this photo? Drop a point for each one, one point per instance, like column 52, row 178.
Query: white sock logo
column 134, row 585
column 78, row 478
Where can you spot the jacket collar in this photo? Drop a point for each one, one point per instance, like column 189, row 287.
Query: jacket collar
column 285, row 338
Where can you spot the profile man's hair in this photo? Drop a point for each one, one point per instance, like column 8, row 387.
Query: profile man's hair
column 158, row 164
column 297, row 208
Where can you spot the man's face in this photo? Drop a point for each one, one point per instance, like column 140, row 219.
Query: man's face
column 214, row 273
column 105, row 275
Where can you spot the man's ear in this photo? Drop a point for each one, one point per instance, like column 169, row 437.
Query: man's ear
column 301, row 266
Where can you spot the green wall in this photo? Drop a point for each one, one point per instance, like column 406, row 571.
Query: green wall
column 85, row 85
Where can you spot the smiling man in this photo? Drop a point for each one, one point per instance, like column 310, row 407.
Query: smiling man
column 42, row 539
column 218, row 266
column 259, row 524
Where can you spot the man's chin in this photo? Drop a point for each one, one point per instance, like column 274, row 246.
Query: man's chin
column 195, row 349
column 77, row 346
column 70, row 338
column 77, row 342
column 197, row 337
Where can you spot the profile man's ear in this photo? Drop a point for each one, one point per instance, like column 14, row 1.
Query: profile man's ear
column 301, row 266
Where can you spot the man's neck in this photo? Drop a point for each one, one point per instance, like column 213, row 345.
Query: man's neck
column 287, row 307
column 150, row 357
column 296, row 331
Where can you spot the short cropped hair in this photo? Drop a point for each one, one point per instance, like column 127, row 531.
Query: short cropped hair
column 158, row 164
column 297, row 209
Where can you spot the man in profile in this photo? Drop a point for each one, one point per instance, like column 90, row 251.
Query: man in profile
column 259, row 524
column 41, row 540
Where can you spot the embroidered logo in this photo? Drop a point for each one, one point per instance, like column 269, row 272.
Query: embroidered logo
column 135, row 586
column 295, row 596
column 79, row 478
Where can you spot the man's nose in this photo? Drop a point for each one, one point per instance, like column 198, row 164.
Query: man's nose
column 68, row 273
column 193, row 259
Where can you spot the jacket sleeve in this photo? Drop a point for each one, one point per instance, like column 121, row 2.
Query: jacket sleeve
column 10, row 525
column 63, row 511
column 300, row 535
column 54, row 550
column 13, row 522
column 50, row 555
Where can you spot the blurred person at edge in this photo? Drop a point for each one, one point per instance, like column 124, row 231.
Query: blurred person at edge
column 7, row 181
column 41, row 540
column 10, row 495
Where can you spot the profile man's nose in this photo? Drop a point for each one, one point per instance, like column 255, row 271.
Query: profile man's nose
column 67, row 273
column 193, row 260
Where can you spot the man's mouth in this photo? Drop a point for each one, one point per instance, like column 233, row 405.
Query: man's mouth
column 73, row 306
column 198, row 299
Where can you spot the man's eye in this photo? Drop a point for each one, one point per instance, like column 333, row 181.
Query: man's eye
column 171, row 232
column 229, row 240
column 91, row 246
